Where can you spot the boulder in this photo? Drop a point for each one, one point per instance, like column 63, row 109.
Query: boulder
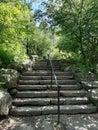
column 78, row 74
column 68, row 68
column 10, row 77
column 5, row 103
column 24, row 66
column 93, row 94
column 81, row 76
column 90, row 84
column 16, row 66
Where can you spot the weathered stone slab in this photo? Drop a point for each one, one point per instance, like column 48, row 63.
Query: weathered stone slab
column 76, row 93
column 10, row 77
column 45, row 82
column 89, row 84
column 26, row 111
column 31, row 87
column 45, row 110
column 37, row 94
column 49, row 110
column 93, row 94
column 31, row 101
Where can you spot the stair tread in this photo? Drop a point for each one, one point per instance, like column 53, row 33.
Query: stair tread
column 47, row 101
column 44, row 77
column 44, row 72
column 62, row 106
column 67, row 109
column 51, row 93
column 45, row 87
column 46, row 80
column 42, row 82
column 61, row 85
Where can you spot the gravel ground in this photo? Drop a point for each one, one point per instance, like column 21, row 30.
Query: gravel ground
column 49, row 122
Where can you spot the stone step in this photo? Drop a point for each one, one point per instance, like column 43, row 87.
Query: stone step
column 46, row 68
column 45, row 77
column 44, row 82
column 49, row 101
column 53, row 60
column 47, row 61
column 47, row 87
column 46, row 110
column 45, row 73
column 49, row 94
column 46, row 65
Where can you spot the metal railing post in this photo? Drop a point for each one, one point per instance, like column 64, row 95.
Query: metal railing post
column 52, row 73
column 48, row 64
column 58, row 104
column 51, row 78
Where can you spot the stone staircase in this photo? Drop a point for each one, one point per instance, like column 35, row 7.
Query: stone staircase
column 35, row 95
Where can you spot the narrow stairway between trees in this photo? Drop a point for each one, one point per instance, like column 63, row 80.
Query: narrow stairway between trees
column 35, row 95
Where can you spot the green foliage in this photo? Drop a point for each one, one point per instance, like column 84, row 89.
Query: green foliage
column 13, row 20
column 2, row 83
column 5, row 57
column 76, row 21
column 1, row 88
column 55, row 54
column 19, row 36
column 39, row 41
column 12, row 52
column 42, row 43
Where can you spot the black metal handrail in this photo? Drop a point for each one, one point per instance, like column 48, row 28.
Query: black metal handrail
column 56, row 82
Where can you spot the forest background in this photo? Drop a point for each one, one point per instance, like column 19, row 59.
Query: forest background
column 67, row 29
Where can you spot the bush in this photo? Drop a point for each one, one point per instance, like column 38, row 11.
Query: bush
column 5, row 57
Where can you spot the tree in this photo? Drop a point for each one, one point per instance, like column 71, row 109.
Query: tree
column 77, row 23
column 13, row 19
column 19, row 36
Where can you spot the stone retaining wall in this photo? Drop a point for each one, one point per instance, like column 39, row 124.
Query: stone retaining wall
column 87, row 81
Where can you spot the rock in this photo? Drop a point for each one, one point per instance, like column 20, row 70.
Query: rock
column 5, row 103
column 68, row 68
column 20, row 67
column 92, row 89
column 89, row 84
column 94, row 94
column 24, row 66
column 10, row 77
column 80, row 75
column 16, row 66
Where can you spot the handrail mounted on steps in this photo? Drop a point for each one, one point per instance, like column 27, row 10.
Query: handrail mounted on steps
column 53, row 75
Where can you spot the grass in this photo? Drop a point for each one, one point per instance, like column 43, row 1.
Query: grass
column 1, row 87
